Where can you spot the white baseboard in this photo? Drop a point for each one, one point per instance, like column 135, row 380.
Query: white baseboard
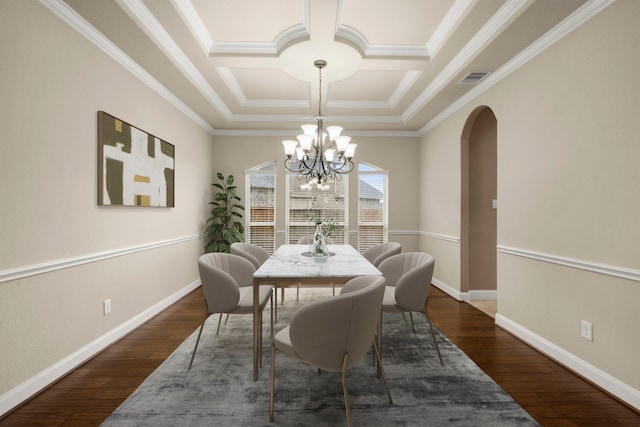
column 33, row 385
column 614, row 386
column 465, row 296
column 460, row 296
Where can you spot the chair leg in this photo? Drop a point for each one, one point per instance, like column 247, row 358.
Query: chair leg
column 344, row 388
column 298, row 293
column 195, row 348
column 273, row 380
column 413, row 326
column 260, row 312
column 282, row 287
column 433, row 335
column 379, row 339
column 384, row 377
column 274, row 294
column 219, row 322
column 272, row 311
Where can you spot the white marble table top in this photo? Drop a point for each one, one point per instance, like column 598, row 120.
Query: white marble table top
column 288, row 263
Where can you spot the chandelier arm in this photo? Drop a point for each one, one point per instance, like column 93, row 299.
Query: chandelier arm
column 349, row 164
column 339, row 164
column 306, row 165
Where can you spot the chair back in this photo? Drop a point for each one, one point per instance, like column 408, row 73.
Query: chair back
column 222, row 274
column 253, row 253
column 411, row 274
column 307, row 240
column 378, row 253
column 323, row 331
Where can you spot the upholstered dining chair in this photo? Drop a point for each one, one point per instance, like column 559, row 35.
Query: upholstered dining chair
column 334, row 333
column 227, row 283
column 253, row 253
column 408, row 279
column 307, row 240
column 257, row 256
column 378, row 253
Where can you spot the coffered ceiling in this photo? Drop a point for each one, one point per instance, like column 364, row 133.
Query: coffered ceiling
column 394, row 67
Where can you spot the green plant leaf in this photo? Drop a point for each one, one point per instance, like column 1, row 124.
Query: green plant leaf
column 222, row 228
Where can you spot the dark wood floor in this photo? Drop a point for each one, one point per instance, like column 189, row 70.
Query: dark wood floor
column 550, row 393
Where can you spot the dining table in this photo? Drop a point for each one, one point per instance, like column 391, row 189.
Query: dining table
column 295, row 264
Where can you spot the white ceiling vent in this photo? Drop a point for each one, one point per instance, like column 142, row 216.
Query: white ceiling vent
column 474, row 77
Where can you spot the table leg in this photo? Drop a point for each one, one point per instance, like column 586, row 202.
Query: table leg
column 256, row 330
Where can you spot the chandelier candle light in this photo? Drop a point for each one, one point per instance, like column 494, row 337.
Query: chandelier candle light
column 309, row 157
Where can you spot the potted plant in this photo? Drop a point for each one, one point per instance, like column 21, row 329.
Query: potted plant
column 326, row 225
column 224, row 226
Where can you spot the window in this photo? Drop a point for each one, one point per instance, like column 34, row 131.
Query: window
column 372, row 206
column 307, row 203
column 261, row 215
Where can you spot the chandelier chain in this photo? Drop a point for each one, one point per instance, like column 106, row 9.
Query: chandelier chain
column 320, row 91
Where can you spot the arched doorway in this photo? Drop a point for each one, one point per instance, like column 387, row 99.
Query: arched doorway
column 478, row 237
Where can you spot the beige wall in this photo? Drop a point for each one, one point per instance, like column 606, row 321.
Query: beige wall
column 53, row 83
column 440, row 200
column 568, row 186
column 234, row 155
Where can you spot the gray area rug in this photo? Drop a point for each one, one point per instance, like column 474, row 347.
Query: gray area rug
column 219, row 390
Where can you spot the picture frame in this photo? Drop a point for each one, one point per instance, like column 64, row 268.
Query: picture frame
column 135, row 168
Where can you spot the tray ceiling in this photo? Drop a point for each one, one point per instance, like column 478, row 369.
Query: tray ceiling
column 394, row 68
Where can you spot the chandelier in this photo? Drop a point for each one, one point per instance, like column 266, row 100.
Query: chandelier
column 309, row 158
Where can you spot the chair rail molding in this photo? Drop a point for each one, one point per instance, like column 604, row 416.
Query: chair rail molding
column 453, row 239
column 594, row 267
column 46, row 267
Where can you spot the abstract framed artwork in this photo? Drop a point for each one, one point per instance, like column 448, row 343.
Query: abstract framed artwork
column 135, row 168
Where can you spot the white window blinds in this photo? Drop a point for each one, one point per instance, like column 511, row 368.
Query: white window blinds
column 372, row 206
column 261, row 213
column 305, row 206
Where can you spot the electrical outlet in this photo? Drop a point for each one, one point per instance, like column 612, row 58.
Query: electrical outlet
column 106, row 305
column 587, row 330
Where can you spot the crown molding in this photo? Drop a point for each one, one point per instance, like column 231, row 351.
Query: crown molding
column 211, row 47
column 232, row 83
column 78, row 23
column 452, row 19
column 192, row 20
column 573, row 21
column 488, row 32
column 292, row 35
column 294, row 132
column 403, row 87
column 354, row 38
column 145, row 19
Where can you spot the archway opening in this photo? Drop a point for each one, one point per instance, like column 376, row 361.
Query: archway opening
column 478, row 237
